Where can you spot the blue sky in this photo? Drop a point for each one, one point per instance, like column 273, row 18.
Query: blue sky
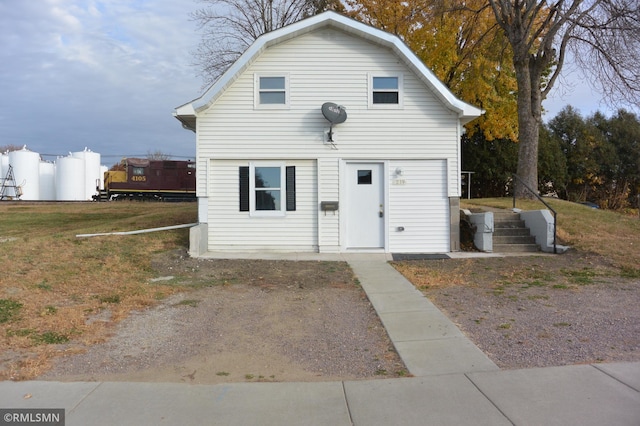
column 107, row 74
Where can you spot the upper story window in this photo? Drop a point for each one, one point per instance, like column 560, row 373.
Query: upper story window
column 272, row 91
column 385, row 91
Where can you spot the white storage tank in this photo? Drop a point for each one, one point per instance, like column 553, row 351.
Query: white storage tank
column 92, row 175
column 70, row 180
column 103, row 169
column 26, row 170
column 47, row 181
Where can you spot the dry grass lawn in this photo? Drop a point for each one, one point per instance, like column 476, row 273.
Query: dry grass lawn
column 55, row 287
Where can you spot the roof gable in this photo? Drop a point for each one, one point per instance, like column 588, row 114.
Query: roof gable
column 187, row 112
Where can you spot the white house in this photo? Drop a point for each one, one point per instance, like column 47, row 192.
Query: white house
column 275, row 174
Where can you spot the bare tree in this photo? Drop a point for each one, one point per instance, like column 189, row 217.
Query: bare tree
column 10, row 147
column 229, row 27
column 604, row 36
column 157, row 155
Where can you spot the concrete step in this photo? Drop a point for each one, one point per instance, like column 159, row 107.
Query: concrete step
column 511, row 234
column 505, row 232
column 515, row 248
column 498, row 216
column 513, row 239
column 509, row 224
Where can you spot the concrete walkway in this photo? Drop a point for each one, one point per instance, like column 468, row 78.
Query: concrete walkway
column 426, row 340
column 454, row 383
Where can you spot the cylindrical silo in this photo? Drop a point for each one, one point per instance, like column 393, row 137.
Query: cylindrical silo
column 70, row 182
column 26, row 170
column 47, row 181
column 91, row 171
column 103, row 170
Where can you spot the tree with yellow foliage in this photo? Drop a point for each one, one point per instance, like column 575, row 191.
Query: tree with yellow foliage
column 465, row 49
column 603, row 35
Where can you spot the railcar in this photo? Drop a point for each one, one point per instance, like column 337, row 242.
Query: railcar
column 143, row 179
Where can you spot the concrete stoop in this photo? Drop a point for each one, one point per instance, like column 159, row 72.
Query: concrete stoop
column 511, row 235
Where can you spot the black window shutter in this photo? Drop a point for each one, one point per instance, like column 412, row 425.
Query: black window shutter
column 291, row 188
column 244, row 189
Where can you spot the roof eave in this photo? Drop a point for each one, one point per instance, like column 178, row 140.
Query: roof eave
column 187, row 116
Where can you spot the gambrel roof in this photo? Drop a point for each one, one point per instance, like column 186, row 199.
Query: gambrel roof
column 187, row 113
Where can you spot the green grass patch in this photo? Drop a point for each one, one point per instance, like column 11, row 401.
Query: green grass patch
column 21, row 332
column 49, row 338
column 581, row 277
column 538, row 297
column 43, row 285
column 9, row 310
column 535, row 283
column 111, row 298
column 50, row 310
column 628, row 272
column 188, row 302
column 498, row 291
column 44, row 338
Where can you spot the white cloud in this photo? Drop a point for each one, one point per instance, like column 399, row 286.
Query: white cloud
column 103, row 74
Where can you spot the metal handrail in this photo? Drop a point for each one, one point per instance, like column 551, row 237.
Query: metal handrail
column 555, row 214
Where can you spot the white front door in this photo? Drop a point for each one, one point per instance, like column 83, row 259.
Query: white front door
column 365, row 205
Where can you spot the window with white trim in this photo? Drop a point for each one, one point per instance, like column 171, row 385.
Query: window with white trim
column 271, row 91
column 267, row 189
column 385, row 91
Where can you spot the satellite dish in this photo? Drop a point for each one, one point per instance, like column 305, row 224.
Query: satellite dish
column 335, row 114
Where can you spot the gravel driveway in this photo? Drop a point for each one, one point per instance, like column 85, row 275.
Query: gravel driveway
column 240, row 320
column 538, row 311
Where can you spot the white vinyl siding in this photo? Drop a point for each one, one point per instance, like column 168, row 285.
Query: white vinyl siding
column 418, row 203
column 232, row 229
column 328, row 66
column 329, row 190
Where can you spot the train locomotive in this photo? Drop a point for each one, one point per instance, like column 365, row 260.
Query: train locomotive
column 144, row 179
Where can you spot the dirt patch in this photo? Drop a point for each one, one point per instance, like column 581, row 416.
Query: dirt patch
column 537, row 311
column 256, row 320
column 243, row 320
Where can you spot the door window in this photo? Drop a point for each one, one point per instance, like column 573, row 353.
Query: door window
column 364, row 177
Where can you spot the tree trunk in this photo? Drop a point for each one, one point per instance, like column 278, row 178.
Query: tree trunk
column 529, row 119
